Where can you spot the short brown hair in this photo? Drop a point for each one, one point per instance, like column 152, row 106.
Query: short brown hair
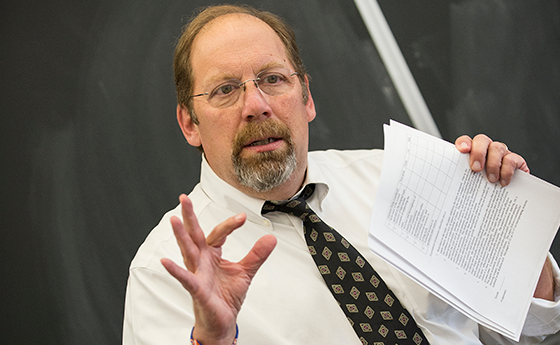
column 182, row 68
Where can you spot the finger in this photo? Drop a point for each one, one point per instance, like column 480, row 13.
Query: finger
column 463, row 144
column 217, row 237
column 510, row 163
column 258, row 254
column 186, row 278
column 494, row 160
column 190, row 222
column 189, row 250
column 479, row 151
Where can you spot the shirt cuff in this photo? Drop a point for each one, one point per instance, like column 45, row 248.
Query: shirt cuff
column 544, row 316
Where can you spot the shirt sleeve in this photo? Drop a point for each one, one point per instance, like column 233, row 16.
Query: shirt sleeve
column 543, row 318
column 157, row 309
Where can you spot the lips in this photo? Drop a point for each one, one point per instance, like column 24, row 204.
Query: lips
column 268, row 144
column 263, row 141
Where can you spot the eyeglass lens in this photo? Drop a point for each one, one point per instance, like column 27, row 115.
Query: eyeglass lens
column 272, row 82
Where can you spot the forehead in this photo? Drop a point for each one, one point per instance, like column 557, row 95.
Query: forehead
column 235, row 43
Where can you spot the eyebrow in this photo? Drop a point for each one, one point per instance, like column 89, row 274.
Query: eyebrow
column 224, row 76
column 220, row 77
column 271, row 65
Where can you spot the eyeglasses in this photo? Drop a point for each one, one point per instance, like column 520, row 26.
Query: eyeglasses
column 273, row 82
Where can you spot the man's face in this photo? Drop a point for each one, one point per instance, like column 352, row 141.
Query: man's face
column 259, row 134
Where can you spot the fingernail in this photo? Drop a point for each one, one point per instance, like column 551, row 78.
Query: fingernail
column 492, row 178
column 503, row 183
column 464, row 146
column 476, row 166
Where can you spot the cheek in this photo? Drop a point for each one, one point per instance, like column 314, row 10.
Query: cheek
column 215, row 129
column 216, row 137
column 290, row 107
column 294, row 114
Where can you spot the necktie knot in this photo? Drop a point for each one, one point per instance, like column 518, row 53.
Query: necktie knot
column 298, row 206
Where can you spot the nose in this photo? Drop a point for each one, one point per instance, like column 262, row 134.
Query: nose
column 255, row 101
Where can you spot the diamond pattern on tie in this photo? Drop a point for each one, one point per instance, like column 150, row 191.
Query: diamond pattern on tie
column 364, row 298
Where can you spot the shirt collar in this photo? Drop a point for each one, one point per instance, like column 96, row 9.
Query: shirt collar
column 225, row 194
column 315, row 175
column 228, row 196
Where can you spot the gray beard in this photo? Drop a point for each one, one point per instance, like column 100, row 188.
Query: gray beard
column 267, row 170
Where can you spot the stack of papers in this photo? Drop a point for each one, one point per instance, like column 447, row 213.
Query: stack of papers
column 476, row 245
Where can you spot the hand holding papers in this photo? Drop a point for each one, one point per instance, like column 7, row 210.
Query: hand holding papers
column 476, row 245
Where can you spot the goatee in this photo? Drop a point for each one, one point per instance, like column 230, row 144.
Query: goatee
column 265, row 170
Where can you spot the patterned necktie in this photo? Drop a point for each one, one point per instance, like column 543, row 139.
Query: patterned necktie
column 371, row 308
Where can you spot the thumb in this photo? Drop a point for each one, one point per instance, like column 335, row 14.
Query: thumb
column 258, row 254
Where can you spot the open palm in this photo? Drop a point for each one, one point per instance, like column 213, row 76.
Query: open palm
column 218, row 286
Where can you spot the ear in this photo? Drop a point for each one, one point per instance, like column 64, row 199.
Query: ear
column 189, row 128
column 310, row 105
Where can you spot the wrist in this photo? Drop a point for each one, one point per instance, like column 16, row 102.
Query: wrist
column 197, row 342
column 546, row 287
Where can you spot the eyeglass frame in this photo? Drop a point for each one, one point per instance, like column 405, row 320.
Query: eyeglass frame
column 255, row 80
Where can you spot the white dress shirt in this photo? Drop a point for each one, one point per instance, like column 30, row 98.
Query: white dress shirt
column 288, row 302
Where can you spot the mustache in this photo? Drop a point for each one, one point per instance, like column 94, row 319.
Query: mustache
column 259, row 130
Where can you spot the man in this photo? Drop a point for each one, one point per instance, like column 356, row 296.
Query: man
column 244, row 100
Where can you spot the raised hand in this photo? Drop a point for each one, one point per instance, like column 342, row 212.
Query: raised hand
column 218, row 287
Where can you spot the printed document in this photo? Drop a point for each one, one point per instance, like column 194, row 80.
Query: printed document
column 476, row 245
